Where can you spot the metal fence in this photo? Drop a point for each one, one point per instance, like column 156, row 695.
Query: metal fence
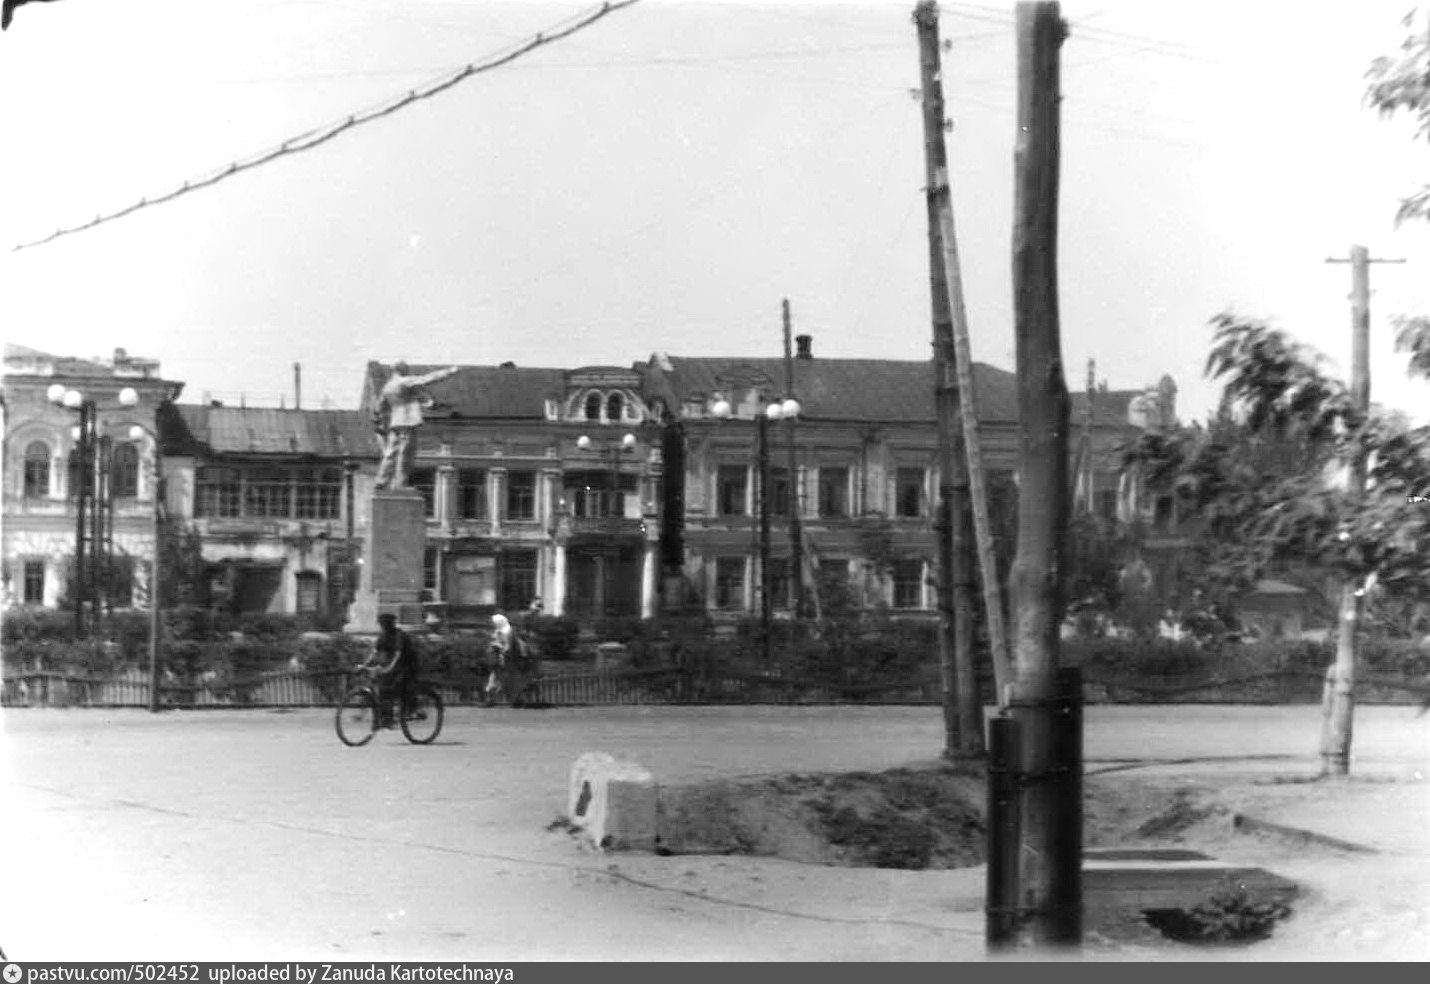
column 671, row 685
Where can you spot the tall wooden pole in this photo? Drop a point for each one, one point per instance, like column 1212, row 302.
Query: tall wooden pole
column 962, row 701
column 1049, row 891
column 1338, row 700
column 155, row 587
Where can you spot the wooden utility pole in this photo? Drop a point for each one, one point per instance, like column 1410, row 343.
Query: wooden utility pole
column 962, row 701
column 1338, row 699
column 1048, row 905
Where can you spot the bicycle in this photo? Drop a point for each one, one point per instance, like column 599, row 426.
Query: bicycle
column 359, row 714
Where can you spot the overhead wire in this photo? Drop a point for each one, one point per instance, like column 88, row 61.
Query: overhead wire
column 320, row 135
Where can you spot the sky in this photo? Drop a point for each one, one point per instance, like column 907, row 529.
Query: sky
column 663, row 179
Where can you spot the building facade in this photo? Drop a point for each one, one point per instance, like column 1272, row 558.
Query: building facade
column 602, row 491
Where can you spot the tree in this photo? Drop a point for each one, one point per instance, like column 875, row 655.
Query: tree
column 185, row 573
column 1266, row 479
column 1401, row 83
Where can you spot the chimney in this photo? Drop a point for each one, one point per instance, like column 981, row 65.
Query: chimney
column 802, row 346
column 297, row 386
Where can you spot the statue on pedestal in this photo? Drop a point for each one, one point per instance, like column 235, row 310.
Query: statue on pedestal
column 397, row 413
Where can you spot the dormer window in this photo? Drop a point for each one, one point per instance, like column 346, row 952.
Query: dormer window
column 614, row 404
column 593, row 406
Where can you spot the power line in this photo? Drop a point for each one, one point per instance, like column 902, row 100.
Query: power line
column 313, row 138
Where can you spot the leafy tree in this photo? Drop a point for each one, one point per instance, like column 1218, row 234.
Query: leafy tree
column 1400, row 83
column 184, row 574
column 1265, row 481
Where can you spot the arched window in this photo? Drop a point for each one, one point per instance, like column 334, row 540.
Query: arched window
column 37, row 470
column 593, row 406
column 613, row 407
column 124, row 472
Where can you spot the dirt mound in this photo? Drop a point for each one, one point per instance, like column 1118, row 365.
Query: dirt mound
column 911, row 818
column 903, row 818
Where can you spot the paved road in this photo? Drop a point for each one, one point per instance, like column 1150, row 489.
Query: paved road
column 256, row 835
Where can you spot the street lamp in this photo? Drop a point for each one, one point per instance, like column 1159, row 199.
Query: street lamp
column 91, row 475
column 773, row 412
column 612, row 502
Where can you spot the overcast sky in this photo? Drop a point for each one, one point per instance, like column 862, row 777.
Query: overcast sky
column 663, row 179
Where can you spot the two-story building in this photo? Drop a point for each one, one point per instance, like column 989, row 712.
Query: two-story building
column 592, row 489
column 45, row 399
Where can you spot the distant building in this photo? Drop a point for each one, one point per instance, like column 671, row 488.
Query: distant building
column 601, row 490
column 41, row 436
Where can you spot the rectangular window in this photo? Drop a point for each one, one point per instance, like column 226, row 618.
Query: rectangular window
column 908, row 584
column 730, row 582
column 318, row 493
column 779, row 492
column 218, row 492
column 267, row 493
column 37, row 470
column 471, row 494
column 430, row 558
column 779, row 586
column 518, row 579
column 834, row 491
column 909, row 498
column 730, row 485
column 521, row 495
column 124, row 471
column 34, row 582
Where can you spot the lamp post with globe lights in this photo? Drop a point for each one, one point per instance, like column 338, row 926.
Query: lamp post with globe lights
column 610, row 504
column 90, row 477
column 772, row 412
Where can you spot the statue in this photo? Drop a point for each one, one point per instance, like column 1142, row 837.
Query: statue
column 397, row 414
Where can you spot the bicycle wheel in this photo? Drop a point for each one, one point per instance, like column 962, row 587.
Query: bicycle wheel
column 357, row 716
column 422, row 718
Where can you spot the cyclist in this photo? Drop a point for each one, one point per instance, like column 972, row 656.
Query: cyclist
column 399, row 671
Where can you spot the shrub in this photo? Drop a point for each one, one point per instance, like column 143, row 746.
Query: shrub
column 555, row 635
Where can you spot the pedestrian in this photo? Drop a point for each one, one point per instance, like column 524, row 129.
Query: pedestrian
column 508, row 653
column 397, row 665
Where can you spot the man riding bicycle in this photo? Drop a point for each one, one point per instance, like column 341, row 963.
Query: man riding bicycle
column 399, row 672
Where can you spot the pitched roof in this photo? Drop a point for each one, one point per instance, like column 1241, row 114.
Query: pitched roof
column 188, row 429
column 871, row 389
column 506, row 392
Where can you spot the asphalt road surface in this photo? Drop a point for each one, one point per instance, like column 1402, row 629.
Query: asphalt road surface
column 256, row 835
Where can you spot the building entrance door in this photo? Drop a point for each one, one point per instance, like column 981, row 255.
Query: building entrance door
column 604, row 581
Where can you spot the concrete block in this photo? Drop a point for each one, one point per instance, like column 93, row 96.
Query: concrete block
column 613, row 802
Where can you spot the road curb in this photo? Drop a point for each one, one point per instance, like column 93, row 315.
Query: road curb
column 1251, row 825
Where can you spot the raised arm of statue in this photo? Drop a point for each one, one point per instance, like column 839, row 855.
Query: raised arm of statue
column 434, row 376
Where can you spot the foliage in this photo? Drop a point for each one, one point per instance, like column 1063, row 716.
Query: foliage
column 1400, row 83
column 1260, row 479
column 184, row 575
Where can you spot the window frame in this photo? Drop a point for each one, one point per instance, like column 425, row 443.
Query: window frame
column 729, row 592
column 903, row 482
column 521, row 496
column 36, row 471
column 734, row 479
column 904, row 585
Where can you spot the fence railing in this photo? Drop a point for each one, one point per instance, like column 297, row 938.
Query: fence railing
column 667, row 685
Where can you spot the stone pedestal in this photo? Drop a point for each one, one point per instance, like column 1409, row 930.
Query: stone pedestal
column 392, row 562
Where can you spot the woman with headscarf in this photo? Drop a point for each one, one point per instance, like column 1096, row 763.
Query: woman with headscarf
column 504, row 650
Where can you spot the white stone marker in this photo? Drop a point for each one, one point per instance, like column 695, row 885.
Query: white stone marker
column 614, row 802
